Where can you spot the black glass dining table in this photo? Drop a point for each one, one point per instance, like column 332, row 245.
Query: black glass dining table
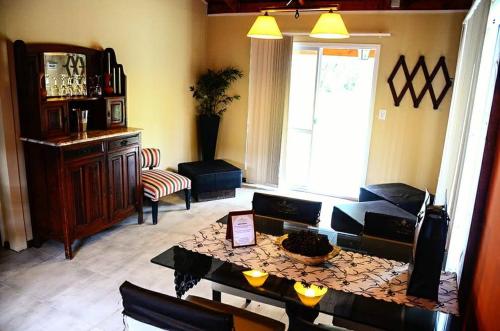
column 346, row 308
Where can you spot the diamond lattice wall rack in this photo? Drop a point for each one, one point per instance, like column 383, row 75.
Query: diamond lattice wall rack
column 429, row 78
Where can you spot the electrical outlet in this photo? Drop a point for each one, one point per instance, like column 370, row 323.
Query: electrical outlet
column 382, row 113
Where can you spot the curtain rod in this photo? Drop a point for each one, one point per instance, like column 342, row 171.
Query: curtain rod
column 351, row 34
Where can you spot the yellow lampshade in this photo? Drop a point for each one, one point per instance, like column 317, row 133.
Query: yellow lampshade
column 256, row 278
column 265, row 27
column 309, row 295
column 330, row 26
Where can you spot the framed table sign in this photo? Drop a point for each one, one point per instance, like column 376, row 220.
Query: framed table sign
column 241, row 228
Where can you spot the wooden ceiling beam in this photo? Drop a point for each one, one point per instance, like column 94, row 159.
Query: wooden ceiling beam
column 232, row 4
column 218, row 7
column 252, row 6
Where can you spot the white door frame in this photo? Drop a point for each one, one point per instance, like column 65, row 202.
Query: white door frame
column 473, row 135
column 319, row 47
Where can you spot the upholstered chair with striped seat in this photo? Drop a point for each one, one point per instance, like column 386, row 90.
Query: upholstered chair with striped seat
column 158, row 183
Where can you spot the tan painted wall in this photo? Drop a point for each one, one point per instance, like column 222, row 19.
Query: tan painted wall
column 161, row 44
column 407, row 147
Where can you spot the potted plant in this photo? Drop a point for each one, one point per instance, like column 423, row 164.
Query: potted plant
column 210, row 93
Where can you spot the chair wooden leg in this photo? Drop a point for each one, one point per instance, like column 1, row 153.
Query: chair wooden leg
column 154, row 210
column 187, row 194
column 140, row 215
column 139, row 205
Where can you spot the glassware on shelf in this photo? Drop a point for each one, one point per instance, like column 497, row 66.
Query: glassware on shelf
column 81, row 119
column 98, row 87
column 47, row 84
column 94, row 86
column 63, row 90
column 54, row 89
column 75, row 86
column 84, row 85
column 91, row 84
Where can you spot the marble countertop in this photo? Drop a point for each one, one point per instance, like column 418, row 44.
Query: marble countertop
column 91, row 135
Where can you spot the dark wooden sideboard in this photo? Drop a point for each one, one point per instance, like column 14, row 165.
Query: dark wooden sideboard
column 79, row 183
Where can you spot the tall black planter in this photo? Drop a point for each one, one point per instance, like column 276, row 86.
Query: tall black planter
column 208, row 128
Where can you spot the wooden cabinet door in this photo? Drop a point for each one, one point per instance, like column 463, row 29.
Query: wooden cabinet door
column 87, row 195
column 116, row 112
column 55, row 119
column 123, row 167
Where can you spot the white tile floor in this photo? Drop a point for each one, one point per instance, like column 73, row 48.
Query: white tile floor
column 40, row 290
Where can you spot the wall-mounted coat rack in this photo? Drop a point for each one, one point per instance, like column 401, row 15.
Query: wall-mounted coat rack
column 429, row 78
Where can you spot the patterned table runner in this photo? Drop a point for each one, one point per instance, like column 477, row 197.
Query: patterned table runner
column 370, row 276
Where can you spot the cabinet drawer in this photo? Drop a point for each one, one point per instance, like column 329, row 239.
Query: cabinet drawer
column 123, row 142
column 89, row 150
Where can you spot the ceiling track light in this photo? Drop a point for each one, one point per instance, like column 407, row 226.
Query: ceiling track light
column 265, row 27
column 330, row 25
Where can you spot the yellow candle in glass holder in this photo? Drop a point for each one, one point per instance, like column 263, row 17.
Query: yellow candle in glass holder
column 311, row 295
column 256, row 278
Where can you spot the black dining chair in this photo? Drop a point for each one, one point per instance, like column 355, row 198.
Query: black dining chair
column 286, row 208
column 143, row 308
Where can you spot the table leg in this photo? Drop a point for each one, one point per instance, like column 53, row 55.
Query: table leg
column 216, row 296
column 295, row 310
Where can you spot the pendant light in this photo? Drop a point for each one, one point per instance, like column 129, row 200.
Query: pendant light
column 329, row 26
column 265, row 27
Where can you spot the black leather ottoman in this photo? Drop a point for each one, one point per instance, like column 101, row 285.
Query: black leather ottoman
column 404, row 196
column 377, row 218
column 212, row 180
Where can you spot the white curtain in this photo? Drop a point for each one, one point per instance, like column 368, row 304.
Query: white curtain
column 471, row 44
column 468, row 123
column 270, row 62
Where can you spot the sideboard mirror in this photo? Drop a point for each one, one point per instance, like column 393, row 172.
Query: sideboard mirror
column 65, row 74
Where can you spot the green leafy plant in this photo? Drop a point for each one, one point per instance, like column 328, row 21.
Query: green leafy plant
column 210, row 90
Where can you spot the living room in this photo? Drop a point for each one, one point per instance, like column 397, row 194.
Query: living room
column 437, row 134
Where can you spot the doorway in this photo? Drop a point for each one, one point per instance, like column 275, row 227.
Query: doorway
column 332, row 91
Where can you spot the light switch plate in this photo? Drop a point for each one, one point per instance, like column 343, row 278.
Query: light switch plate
column 395, row 3
column 382, row 113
